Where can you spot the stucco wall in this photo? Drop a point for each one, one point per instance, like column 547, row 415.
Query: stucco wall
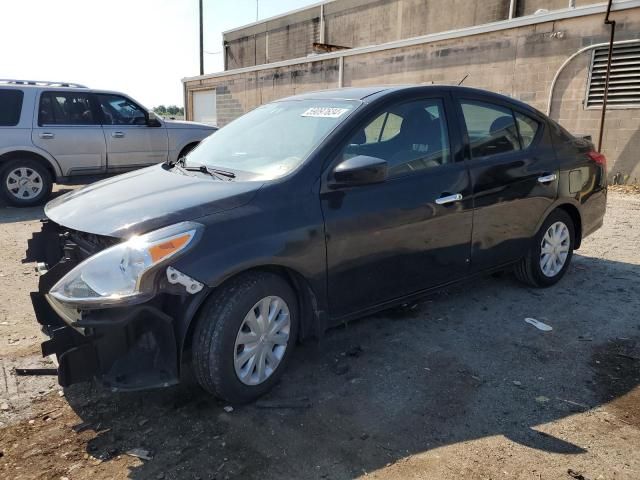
column 520, row 62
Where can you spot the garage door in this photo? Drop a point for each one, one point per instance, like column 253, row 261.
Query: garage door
column 204, row 107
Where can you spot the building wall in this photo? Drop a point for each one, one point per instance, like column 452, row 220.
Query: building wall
column 519, row 62
column 357, row 23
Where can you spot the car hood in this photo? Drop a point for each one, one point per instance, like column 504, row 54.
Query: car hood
column 144, row 200
column 181, row 124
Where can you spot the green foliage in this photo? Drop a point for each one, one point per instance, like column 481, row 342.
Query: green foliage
column 169, row 111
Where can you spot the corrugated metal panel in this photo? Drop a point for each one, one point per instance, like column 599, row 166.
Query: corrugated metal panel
column 624, row 81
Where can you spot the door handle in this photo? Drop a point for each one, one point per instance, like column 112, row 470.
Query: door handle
column 449, row 199
column 46, row 135
column 547, row 178
column 117, row 134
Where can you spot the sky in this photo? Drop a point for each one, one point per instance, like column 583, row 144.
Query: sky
column 139, row 47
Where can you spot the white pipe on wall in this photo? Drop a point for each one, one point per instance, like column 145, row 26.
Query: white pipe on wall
column 571, row 57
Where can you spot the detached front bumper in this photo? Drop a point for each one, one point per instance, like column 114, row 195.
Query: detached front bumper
column 128, row 348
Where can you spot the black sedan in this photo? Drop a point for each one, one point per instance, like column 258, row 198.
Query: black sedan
column 304, row 213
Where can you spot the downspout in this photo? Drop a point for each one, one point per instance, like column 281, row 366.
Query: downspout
column 340, row 71
column 512, row 9
column 574, row 55
column 608, row 72
column 322, row 32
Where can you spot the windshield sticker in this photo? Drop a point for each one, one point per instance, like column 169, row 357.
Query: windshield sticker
column 324, row 112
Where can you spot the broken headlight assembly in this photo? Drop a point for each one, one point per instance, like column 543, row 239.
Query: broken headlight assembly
column 126, row 272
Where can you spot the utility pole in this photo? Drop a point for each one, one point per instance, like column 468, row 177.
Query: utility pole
column 201, row 41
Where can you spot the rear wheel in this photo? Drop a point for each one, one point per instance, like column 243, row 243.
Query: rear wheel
column 244, row 337
column 550, row 255
column 25, row 182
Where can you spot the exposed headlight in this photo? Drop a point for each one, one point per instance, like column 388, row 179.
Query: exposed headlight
column 124, row 273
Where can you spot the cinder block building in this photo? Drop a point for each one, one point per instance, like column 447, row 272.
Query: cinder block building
column 549, row 53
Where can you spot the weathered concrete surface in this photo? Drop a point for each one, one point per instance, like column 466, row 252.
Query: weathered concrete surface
column 459, row 387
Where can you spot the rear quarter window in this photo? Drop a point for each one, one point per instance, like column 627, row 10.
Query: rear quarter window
column 10, row 107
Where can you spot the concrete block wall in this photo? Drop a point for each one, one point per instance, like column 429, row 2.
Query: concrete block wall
column 357, row 23
column 519, row 62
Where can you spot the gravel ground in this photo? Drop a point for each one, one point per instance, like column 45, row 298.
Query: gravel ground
column 457, row 387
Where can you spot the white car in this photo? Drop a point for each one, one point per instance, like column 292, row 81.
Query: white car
column 56, row 132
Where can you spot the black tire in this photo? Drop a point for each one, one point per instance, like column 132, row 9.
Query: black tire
column 218, row 325
column 187, row 149
column 528, row 270
column 30, row 165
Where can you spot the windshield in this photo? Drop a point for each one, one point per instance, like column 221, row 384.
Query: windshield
column 272, row 140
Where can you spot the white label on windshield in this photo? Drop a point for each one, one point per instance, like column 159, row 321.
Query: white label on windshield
column 324, row 112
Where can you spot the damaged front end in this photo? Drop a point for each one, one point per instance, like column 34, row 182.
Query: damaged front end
column 128, row 346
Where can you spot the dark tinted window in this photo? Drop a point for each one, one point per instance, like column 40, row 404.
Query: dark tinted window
column 65, row 108
column 410, row 136
column 10, row 107
column 528, row 127
column 118, row 110
column 491, row 128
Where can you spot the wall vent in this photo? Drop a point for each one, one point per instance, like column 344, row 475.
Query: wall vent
column 624, row 81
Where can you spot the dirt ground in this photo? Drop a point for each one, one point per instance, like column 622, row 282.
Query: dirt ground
column 457, row 387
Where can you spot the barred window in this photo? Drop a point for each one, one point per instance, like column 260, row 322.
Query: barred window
column 624, row 81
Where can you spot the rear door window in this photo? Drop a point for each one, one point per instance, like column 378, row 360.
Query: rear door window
column 491, row 128
column 10, row 107
column 66, row 108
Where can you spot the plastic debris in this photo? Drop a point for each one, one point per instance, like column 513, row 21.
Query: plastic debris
column 538, row 324
column 228, row 409
column 542, row 399
column 140, row 453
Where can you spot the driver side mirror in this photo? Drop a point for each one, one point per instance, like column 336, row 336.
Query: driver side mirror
column 359, row 170
column 153, row 120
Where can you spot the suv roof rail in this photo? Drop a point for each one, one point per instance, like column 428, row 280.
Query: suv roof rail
column 44, row 83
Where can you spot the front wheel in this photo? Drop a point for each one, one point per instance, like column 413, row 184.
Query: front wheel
column 550, row 255
column 25, row 182
column 245, row 336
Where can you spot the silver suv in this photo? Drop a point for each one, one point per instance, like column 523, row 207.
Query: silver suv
column 57, row 132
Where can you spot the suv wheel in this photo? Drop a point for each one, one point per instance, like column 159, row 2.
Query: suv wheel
column 244, row 337
column 25, row 182
column 550, row 256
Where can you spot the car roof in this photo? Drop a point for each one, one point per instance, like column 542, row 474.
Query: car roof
column 375, row 92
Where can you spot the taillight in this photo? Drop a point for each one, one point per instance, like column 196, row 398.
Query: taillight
column 599, row 158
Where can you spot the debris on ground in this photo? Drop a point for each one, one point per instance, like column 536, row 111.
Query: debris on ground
column 542, row 399
column 538, row 324
column 36, row 371
column 140, row 453
column 228, row 409
column 81, row 427
column 577, row 475
column 517, row 383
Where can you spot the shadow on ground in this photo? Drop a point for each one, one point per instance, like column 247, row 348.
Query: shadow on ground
column 460, row 366
column 21, row 214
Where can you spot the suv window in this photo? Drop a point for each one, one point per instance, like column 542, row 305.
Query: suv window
column 492, row 129
column 10, row 107
column 65, row 108
column 118, row 110
column 410, row 136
